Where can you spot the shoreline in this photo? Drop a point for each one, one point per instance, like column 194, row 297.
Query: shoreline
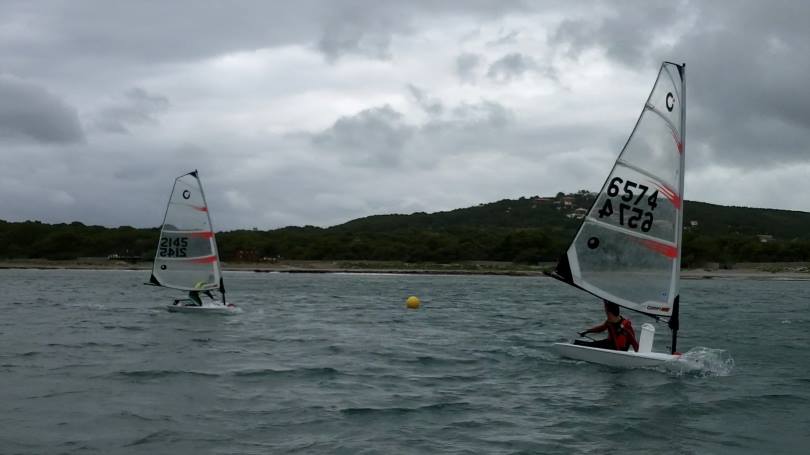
column 758, row 271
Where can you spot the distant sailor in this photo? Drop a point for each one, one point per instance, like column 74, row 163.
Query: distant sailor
column 620, row 331
column 194, row 296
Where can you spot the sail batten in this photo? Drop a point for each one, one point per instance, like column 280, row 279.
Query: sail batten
column 663, row 117
column 187, row 256
column 190, row 258
column 632, row 233
column 628, row 247
column 644, row 172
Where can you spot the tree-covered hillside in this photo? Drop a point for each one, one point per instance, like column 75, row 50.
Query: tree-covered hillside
column 524, row 230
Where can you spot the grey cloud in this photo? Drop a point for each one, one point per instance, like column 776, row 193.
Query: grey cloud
column 379, row 137
column 628, row 33
column 748, row 105
column 138, row 107
column 112, row 35
column 373, row 137
column 510, row 66
column 515, row 65
column 466, row 65
column 505, row 38
column 430, row 105
column 29, row 112
column 340, row 39
column 483, row 113
column 466, row 129
column 367, row 27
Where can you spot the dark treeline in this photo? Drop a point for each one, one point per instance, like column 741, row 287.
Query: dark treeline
column 526, row 230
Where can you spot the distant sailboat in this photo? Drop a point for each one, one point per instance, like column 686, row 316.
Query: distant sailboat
column 187, row 257
column 628, row 248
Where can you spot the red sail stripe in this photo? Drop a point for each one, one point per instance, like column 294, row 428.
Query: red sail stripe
column 202, row 234
column 671, row 195
column 677, row 142
column 666, row 250
column 205, row 260
column 200, row 209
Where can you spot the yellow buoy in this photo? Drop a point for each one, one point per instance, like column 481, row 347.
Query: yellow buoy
column 413, row 302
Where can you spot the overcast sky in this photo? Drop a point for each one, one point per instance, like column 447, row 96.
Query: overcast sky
column 318, row 112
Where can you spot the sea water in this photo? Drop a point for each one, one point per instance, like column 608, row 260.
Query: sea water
column 91, row 362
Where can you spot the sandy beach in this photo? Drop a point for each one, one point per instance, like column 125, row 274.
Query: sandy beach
column 755, row 271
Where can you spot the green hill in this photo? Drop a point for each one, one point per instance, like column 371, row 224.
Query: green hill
column 523, row 230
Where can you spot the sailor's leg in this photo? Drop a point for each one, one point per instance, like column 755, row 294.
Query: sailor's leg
column 602, row 344
column 195, row 298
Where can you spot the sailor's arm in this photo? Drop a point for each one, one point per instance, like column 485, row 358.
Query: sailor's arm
column 595, row 329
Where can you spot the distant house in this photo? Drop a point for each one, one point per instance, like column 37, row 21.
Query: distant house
column 765, row 238
column 577, row 214
column 247, row 255
column 567, row 201
column 693, row 223
column 123, row 257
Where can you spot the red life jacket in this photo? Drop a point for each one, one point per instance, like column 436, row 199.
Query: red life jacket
column 619, row 333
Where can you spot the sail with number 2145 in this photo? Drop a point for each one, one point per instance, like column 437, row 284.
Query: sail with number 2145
column 187, row 257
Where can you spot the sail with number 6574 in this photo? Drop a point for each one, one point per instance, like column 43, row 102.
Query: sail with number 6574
column 628, row 248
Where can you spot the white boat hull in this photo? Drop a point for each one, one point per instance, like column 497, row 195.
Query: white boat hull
column 205, row 309
column 622, row 359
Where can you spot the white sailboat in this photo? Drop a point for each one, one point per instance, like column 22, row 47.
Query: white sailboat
column 628, row 248
column 187, row 258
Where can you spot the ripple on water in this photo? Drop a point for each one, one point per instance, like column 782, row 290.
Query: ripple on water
column 396, row 410
column 161, row 374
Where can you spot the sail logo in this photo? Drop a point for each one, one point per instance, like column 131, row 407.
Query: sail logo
column 670, row 101
column 662, row 309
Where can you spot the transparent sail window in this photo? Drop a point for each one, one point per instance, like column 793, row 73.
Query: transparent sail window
column 638, row 270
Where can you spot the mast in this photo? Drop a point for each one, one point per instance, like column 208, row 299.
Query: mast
column 674, row 322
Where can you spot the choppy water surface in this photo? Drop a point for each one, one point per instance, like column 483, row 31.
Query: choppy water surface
column 90, row 362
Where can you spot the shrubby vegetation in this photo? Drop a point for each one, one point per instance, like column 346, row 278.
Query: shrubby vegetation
column 527, row 230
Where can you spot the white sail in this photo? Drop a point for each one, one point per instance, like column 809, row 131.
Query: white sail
column 628, row 248
column 187, row 256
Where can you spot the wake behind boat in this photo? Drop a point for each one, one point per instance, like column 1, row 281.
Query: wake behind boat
column 205, row 308
column 187, row 258
column 628, row 247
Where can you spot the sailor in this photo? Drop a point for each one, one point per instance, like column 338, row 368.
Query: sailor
column 620, row 331
column 194, row 296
